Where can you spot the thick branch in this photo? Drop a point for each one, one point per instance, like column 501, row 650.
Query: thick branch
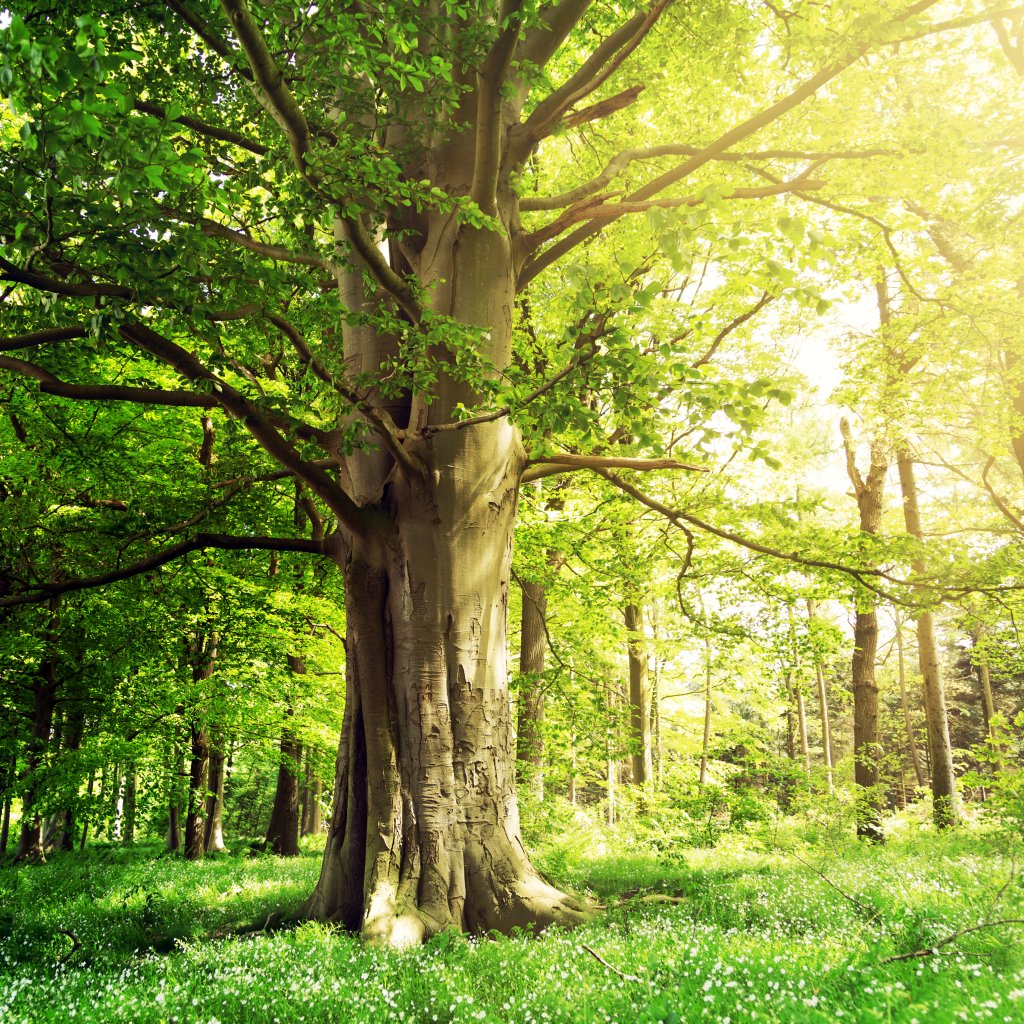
column 45, row 591
column 269, row 78
column 43, row 337
column 202, row 128
column 597, row 209
column 359, row 520
column 602, row 63
column 542, row 42
column 10, row 272
column 552, row 465
column 724, row 142
column 50, row 384
column 489, row 127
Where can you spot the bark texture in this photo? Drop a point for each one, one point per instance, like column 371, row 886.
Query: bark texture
column 425, row 829
column 532, row 656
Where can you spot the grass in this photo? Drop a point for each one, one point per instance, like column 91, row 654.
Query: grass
column 753, row 933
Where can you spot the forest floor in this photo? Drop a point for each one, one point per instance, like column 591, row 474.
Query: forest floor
column 748, row 931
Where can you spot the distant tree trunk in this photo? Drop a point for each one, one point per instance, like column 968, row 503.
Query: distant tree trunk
column 283, row 831
column 130, row 804
column 984, row 679
column 316, row 824
column 195, row 830
column 867, row 750
column 639, row 696
column 819, row 677
column 706, row 741
column 915, row 755
column 203, row 659
column 213, row 833
column 30, row 841
column 174, row 797
column 532, row 653
column 5, row 824
column 85, row 817
column 74, row 731
column 945, row 811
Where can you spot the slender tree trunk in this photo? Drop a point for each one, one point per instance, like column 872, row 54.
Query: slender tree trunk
column 74, row 731
column 639, row 696
column 195, row 830
column 213, row 835
column 706, row 740
column 532, row 653
column 984, row 679
column 30, row 841
column 283, row 830
column 945, row 812
column 174, row 798
column 819, row 678
column 5, row 823
column 316, row 825
column 867, row 750
column 915, row 756
column 130, row 804
column 90, row 787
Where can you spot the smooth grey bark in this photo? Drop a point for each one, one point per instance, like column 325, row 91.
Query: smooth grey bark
column 945, row 811
column 867, row 750
column 639, row 695
column 425, row 829
column 532, row 656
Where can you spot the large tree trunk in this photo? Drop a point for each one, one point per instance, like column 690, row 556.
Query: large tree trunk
column 945, row 812
column 532, row 652
column 425, row 829
column 639, row 695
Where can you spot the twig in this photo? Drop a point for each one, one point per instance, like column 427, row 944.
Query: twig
column 604, row 963
column 933, row 950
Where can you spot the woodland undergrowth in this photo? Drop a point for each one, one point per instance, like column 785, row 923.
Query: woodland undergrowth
column 788, row 922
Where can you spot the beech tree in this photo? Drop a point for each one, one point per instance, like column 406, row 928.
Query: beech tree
column 319, row 225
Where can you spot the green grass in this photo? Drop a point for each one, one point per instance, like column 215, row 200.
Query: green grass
column 756, row 935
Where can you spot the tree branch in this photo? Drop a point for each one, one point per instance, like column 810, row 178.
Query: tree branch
column 724, row 142
column 602, row 63
column 52, row 385
column 379, row 419
column 731, row 326
column 596, row 208
column 202, row 128
column 43, row 337
column 45, row 591
column 10, row 272
column 552, row 465
column 489, row 133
